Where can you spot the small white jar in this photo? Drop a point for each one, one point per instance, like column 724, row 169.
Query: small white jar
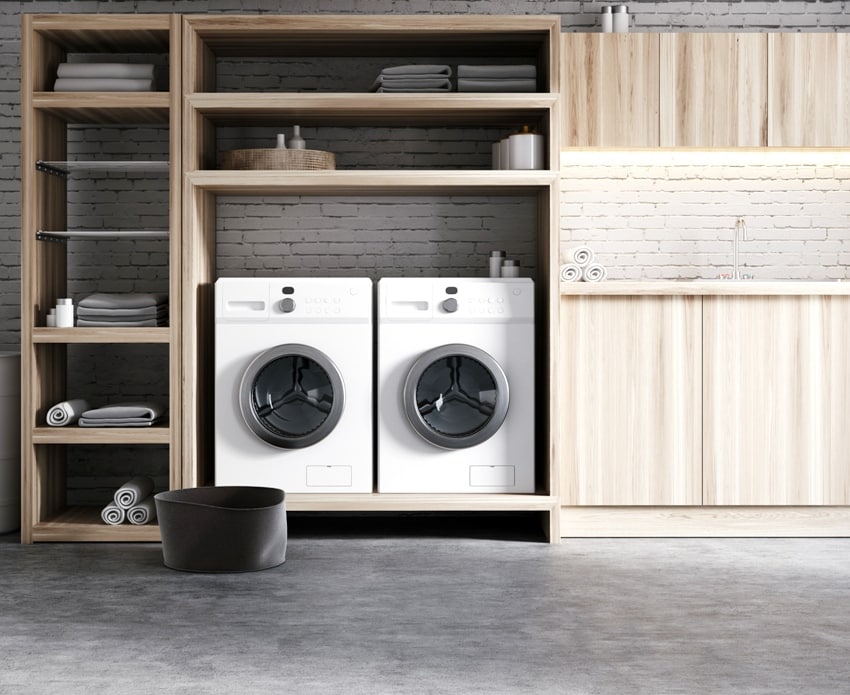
column 606, row 19
column 620, row 19
column 526, row 150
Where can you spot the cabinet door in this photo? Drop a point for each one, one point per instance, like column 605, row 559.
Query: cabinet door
column 713, row 90
column 776, row 400
column 609, row 90
column 809, row 90
column 630, row 400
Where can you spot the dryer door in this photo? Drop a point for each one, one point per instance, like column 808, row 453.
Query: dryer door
column 291, row 396
column 456, row 396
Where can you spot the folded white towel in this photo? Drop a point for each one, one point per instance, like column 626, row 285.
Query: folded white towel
column 119, row 422
column 594, row 272
column 147, row 410
column 405, row 70
column 101, row 84
column 67, row 412
column 133, row 491
column 133, row 71
column 112, row 514
column 580, row 255
column 143, row 512
column 570, row 272
column 129, row 300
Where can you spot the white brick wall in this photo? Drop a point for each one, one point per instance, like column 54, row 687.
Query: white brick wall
column 672, row 214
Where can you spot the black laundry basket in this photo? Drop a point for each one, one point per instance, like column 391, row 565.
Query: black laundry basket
column 222, row 529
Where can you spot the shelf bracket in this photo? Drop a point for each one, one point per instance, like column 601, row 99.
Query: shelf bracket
column 41, row 165
column 47, row 236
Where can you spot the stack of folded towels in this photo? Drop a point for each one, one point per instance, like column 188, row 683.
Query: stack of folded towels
column 104, row 77
column 414, row 78
column 497, row 78
column 132, row 502
column 580, row 266
column 135, row 414
column 133, row 309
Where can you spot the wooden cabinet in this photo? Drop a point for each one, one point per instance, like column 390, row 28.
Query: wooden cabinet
column 47, row 118
column 777, row 398
column 629, row 407
column 713, row 90
column 609, row 90
column 809, row 91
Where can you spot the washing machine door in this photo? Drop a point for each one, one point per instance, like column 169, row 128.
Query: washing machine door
column 456, row 396
column 291, row 396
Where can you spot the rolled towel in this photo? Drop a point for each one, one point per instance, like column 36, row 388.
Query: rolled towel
column 580, row 255
column 142, row 513
column 133, row 491
column 570, row 272
column 112, row 514
column 594, row 272
column 133, row 71
column 67, row 412
column 147, row 410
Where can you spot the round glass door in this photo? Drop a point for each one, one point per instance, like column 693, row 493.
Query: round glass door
column 456, row 396
column 291, row 396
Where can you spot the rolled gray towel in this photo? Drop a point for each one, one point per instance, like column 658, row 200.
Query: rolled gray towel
column 142, row 513
column 112, row 514
column 133, row 491
column 133, row 71
column 67, row 412
column 406, row 70
column 147, row 410
column 129, row 300
column 498, row 71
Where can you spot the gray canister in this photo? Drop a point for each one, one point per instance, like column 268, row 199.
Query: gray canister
column 510, row 269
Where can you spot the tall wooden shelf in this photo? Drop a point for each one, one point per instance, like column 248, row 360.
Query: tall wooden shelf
column 47, row 40
column 209, row 39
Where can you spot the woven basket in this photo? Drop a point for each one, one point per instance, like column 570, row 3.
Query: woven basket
column 278, row 159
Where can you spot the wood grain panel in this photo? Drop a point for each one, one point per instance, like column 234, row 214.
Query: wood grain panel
column 809, row 90
column 630, row 400
column 713, row 90
column 609, row 90
column 776, row 396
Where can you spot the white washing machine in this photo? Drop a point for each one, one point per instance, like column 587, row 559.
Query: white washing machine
column 455, row 395
column 293, row 391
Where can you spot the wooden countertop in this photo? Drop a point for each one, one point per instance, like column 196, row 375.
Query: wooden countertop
column 706, row 287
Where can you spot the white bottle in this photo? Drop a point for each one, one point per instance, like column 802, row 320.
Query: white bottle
column 510, row 269
column 51, row 318
column 281, row 141
column 496, row 260
column 606, row 19
column 620, row 19
column 64, row 313
column 526, row 150
column 296, row 142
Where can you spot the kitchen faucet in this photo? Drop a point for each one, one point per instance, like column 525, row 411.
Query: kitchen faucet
column 740, row 235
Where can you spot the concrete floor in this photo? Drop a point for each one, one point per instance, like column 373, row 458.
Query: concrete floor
column 432, row 606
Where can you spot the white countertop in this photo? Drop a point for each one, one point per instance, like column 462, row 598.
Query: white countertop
column 706, row 287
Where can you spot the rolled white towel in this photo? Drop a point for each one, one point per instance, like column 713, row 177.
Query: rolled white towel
column 142, row 513
column 595, row 272
column 67, row 412
column 580, row 255
column 570, row 272
column 133, row 491
column 112, row 514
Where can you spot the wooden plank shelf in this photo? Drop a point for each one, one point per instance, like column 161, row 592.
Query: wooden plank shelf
column 104, row 334
column 84, row 524
column 105, row 107
column 410, row 502
column 101, row 435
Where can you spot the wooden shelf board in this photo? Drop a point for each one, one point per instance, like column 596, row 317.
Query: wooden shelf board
column 101, row 435
column 373, row 182
column 311, row 109
column 705, row 287
column 105, row 107
column 87, row 33
column 399, row 502
column 84, row 524
column 104, row 335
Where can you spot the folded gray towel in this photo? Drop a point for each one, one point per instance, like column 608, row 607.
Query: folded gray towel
column 130, row 300
column 101, row 84
column 497, row 71
column 134, row 409
column 112, row 514
column 143, row 512
column 119, row 422
column 145, row 312
column 133, row 71
column 483, row 84
column 133, row 491
column 409, row 84
column 431, row 70
column 144, row 323
column 67, row 412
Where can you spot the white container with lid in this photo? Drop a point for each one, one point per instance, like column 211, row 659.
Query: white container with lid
column 606, row 19
column 620, row 19
column 526, row 150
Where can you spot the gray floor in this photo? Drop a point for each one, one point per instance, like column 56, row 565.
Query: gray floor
column 432, row 606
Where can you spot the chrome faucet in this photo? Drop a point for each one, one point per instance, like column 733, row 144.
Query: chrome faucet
column 740, row 235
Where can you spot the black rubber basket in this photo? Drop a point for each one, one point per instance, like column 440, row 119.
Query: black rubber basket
column 222, row 529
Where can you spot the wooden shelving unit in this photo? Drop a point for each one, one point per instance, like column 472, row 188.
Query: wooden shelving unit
column 48, row 40
column 208, row 39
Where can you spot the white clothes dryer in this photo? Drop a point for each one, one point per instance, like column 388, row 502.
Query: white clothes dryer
column 455, row 397
column 293, row 391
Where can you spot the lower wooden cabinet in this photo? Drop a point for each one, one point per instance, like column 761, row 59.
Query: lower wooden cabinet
column 630, row 429
column 776, row 409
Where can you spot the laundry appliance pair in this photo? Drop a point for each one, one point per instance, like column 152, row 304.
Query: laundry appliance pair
column 311, row 397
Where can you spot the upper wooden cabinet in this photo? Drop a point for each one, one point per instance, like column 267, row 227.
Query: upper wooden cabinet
column 808, row 95
column 713, row 90
column 609, row 90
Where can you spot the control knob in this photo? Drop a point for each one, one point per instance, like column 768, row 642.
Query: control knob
column 287, row 305
column 450, row 305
